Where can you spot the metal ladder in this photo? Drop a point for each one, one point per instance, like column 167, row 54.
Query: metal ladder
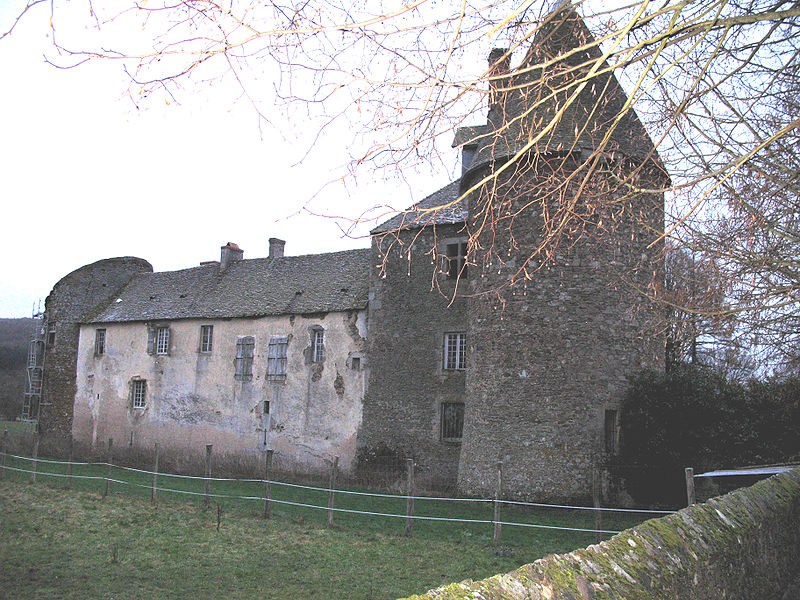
column 32, row 401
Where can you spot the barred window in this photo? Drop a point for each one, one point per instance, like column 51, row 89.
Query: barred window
column 318, row 345
column 99, row 342
column 452, row 421
column 139, row 393
column 276, row 358
column 206, row 338
column 455, row 351
column 245, row 350
column 611, row 431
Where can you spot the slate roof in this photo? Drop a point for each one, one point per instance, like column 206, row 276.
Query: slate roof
column 528, row 106
column 247, row 288
column 421, row 214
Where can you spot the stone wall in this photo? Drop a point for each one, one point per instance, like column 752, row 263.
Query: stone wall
column 741, row 546
column 410, row 310
column 553, row 338
column 71, row 299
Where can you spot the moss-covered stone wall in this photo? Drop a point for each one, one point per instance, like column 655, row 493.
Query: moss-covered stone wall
column 740, row 546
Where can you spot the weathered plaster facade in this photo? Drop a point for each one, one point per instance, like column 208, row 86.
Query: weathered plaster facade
column 195, row 398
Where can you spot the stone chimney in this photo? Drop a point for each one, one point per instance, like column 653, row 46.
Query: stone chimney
column 499, row 69
column 230, row 252
column 276, row 248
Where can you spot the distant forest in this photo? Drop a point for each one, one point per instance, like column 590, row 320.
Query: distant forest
column 14, row 337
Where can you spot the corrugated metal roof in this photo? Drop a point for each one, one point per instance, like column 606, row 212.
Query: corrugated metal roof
column 749, row 471
column 247, row 288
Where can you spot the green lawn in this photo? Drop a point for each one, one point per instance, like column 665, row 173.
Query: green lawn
column 67, row 544
column 57, row 543
column 17, row 427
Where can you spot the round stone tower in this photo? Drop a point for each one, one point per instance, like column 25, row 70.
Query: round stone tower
column 72, row 300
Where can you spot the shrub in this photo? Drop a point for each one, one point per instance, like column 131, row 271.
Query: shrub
column 694, row 417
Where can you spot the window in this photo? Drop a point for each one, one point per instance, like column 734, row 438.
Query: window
column 206, row 338
column 245, row 350
column 99, row 342
column 355, row 363
column 455, row 351
column 318, row 345
column 162, row 340
column 158, row 340
column 452, row 421
column 457, row 260
column 276, row 358
column 138, row 393
column 610, row 427
column 51, row 334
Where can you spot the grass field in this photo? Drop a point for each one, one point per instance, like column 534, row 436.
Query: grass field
column 57, row 543
column 17, row 427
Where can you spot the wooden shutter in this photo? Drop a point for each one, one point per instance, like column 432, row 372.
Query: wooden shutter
column 151, row 339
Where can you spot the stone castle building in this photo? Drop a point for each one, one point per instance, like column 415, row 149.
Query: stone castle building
column 495, row 320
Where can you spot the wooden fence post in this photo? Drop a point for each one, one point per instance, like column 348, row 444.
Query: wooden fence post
column 35, row 456
column 334, row 468
column 3, row 446
column 497, row 493
column 410, row 499
column 153, row 489
column 207, row 496
column 108, row 468
column 690, row 498
column 598, row 514
column 69, row 462
column 267, row 489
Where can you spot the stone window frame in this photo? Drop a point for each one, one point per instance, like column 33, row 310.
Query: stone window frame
column 206, row 339
column 451, row 422
column 455, row 257
column 100, row 341
column 277, row 357
column 317, row 344
column 454, row 355
column 138, row 393
column 245, row 354
column 51, row 333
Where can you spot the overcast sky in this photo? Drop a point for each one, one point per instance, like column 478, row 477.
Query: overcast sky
column 85, row 175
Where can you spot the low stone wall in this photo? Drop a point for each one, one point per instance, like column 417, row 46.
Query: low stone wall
column 740, row 546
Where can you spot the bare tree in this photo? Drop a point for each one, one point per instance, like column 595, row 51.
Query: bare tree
column 714, row 83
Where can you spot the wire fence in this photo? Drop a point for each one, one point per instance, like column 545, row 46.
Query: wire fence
column 509, row 521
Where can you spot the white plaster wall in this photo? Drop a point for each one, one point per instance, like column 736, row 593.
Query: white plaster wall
column 193, row 399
